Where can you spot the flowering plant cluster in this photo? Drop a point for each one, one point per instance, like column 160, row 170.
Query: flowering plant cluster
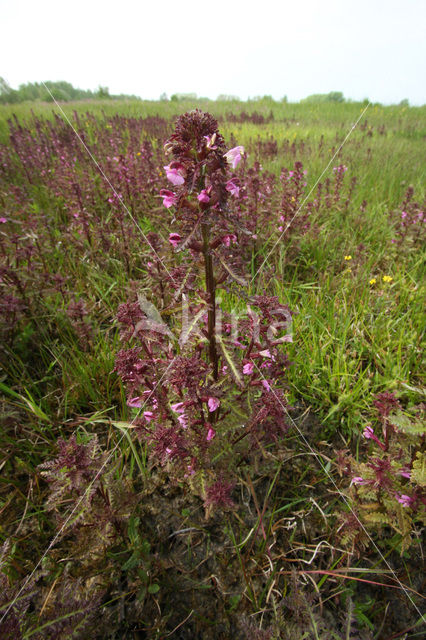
column 209, row 385
column 389, row 488
column 409, row 223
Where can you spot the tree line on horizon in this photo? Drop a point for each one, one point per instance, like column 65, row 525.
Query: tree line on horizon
column 50, row 91
column 63, row 91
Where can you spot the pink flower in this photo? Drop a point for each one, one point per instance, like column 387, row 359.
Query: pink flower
column 135, row 402
column 368, row 432
column 178, row 407
column 174, row 239
column 203, row 196
column 404, row 214
column 405, row 473
column 169, row 198
column 210, row 141
column 233, row 188
column 359, row 480
column 210, row 434
column 183, row 420
column 190, row 471
column 3, row 220
column 265, row 353
column 405, row 500
column 266, row 384
column 233, row 156
column 213, row 404
column 174, row 174
column 248, row 368
column 230, row 237
column 148, row 415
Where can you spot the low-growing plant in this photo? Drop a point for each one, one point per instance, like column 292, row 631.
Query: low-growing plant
column 388, row 484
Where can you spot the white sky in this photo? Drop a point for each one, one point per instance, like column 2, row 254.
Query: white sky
column 365, row 48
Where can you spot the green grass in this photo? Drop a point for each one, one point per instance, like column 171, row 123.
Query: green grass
column 351, row 340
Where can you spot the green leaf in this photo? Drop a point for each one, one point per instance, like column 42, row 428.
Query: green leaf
column 231, row 363
column 190, row 328
column 418, row 472
column 153, row 588
column 133, row 529
column 407, row 424
column 132, row 562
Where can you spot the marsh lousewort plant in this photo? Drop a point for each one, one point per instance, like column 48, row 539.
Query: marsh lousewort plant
column 208, row 385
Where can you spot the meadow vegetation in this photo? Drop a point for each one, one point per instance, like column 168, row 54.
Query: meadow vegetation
column 165, row 477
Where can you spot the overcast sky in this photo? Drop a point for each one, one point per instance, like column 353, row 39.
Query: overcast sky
column 365, row 48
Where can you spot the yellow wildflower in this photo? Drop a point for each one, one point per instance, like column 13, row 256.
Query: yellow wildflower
column 387, row 279
column 138, row 153
column 373, row 281
column 347, row 258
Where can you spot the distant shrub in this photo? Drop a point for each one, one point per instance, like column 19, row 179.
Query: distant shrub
column 333, row 96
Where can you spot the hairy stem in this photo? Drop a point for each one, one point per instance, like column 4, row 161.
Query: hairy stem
column 211, row 295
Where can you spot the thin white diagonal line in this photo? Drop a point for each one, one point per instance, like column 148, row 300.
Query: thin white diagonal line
column 306, row 197
column 57, row 535
column 107, row 180
column 342, row 495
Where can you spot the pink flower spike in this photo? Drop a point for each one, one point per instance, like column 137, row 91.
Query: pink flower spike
column 169, row 198
column 174, row 239
column 174, row 175
column 148, row 415
column 135, row 402
column 233, row 188
column 213, row 404
column 248, row 368
column 266, row 384
column 210, row 434
column 404, row 214
column 203, row 196
column 234, row 156
column 405, row 500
